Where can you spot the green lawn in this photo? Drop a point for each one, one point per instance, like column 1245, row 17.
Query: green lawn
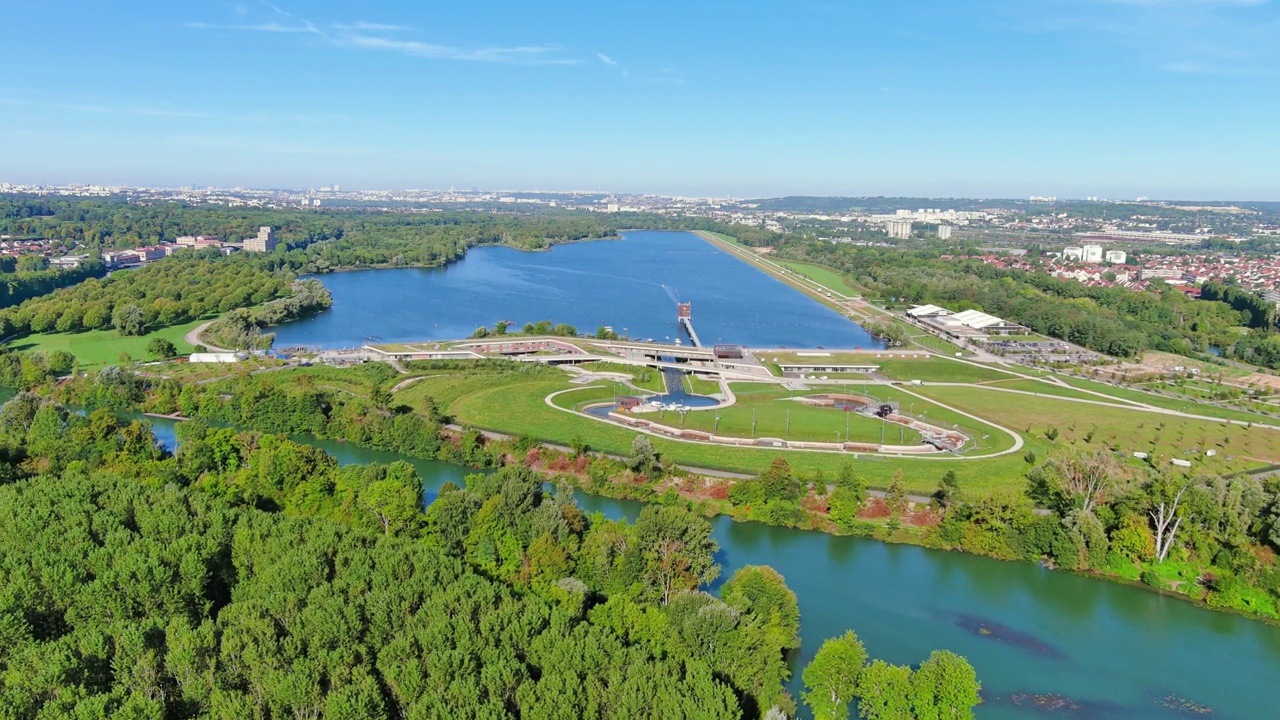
column 824, row 276
column 936, row 344
column 99, row 348
column 1126, row 430
column 938, row 369
column 1044, row 388
column 516, row 404
column 643, row 377
column 1168, row 403
column 777, row 416
column 699, row 386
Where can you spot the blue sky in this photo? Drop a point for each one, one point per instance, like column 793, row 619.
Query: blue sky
column 1118, row 98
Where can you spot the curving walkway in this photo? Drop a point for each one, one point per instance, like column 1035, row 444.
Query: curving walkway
column 193, row 338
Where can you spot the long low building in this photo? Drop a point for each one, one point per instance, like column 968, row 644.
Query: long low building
column 967, row 323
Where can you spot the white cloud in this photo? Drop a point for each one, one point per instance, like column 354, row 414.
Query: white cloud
column 142, row 111
column 606, row 59
column 1220, row 37
column 357, row 35
column 270, row 27
column 373, row 27
column 522, row 55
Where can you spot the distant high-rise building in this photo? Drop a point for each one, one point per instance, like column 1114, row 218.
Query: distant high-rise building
column 1073, row 253
column 264, row 242
column 944, row 232
column 1092, row 253
column 900, row 229
column 1116, row 257
column 336, row 188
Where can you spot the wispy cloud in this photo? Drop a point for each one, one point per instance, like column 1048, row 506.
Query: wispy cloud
column 270, row 147
column 364, row 35
column 141, row 111
column 1209, row 37
column 606, row 59
column 373, row 27
column 268, row 27
column 524, row 55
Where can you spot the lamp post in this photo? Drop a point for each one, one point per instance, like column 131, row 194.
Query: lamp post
column 788, row 423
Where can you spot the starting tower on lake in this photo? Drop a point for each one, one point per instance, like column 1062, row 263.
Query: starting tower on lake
column 684, row 316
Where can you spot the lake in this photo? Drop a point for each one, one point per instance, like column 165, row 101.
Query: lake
column 1111, row 650
column 630, row 284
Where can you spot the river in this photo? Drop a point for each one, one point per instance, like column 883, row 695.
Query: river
column 630, row 284
column 1114, row 651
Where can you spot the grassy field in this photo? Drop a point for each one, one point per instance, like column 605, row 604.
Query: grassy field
column 937, row 369
column 642, row 377
column 695, row 385
column 99, row 348
column 824, row 276
column 1043, row 388
column 777, row 416
column 516, row 404
column 1126, row 430
column 937, row 344
column 1168, row 403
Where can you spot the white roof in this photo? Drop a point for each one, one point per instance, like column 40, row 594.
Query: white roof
column 922, row 310
column 976, row 319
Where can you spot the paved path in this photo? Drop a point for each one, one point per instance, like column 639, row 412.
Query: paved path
column 193, row 338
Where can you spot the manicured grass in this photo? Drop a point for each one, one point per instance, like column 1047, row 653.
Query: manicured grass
column 824, row 276
column 516, row 405
column 1127, row 430
column 1042, row 388
column 937, row 369
column 643, row 377
column 1180, row 404
column 700, row 386
column 99, row 348
column 937, row 344
column 777, row 416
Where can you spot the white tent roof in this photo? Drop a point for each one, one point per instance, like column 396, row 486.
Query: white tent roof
column 925, row 310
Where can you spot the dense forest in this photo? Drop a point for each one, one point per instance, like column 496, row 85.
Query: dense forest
column 170, row 292
column 1111, row 320
column 250, row 576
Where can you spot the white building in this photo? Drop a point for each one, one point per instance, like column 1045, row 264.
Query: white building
column 218, row 357
column 1092, row 253
column 1073, row 253
column 944, row 232
column 264, row 242
column 900, row 229
column 1116, row 257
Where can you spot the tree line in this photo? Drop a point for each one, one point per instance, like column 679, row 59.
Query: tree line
column 250, row 576
column 1112, row 320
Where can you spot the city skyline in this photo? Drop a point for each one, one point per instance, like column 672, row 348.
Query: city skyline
column 1115, row 98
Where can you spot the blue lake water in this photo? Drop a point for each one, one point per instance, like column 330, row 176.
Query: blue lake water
column 629, row 284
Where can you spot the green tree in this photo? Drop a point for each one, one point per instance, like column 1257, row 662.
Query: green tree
column 162, row 348
column 885, row 692
column 128, row 320
column 677, row 549
column 945, row 687
column 948, row 489
column 843, row 507
column 644, row 459
column 831, row 678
